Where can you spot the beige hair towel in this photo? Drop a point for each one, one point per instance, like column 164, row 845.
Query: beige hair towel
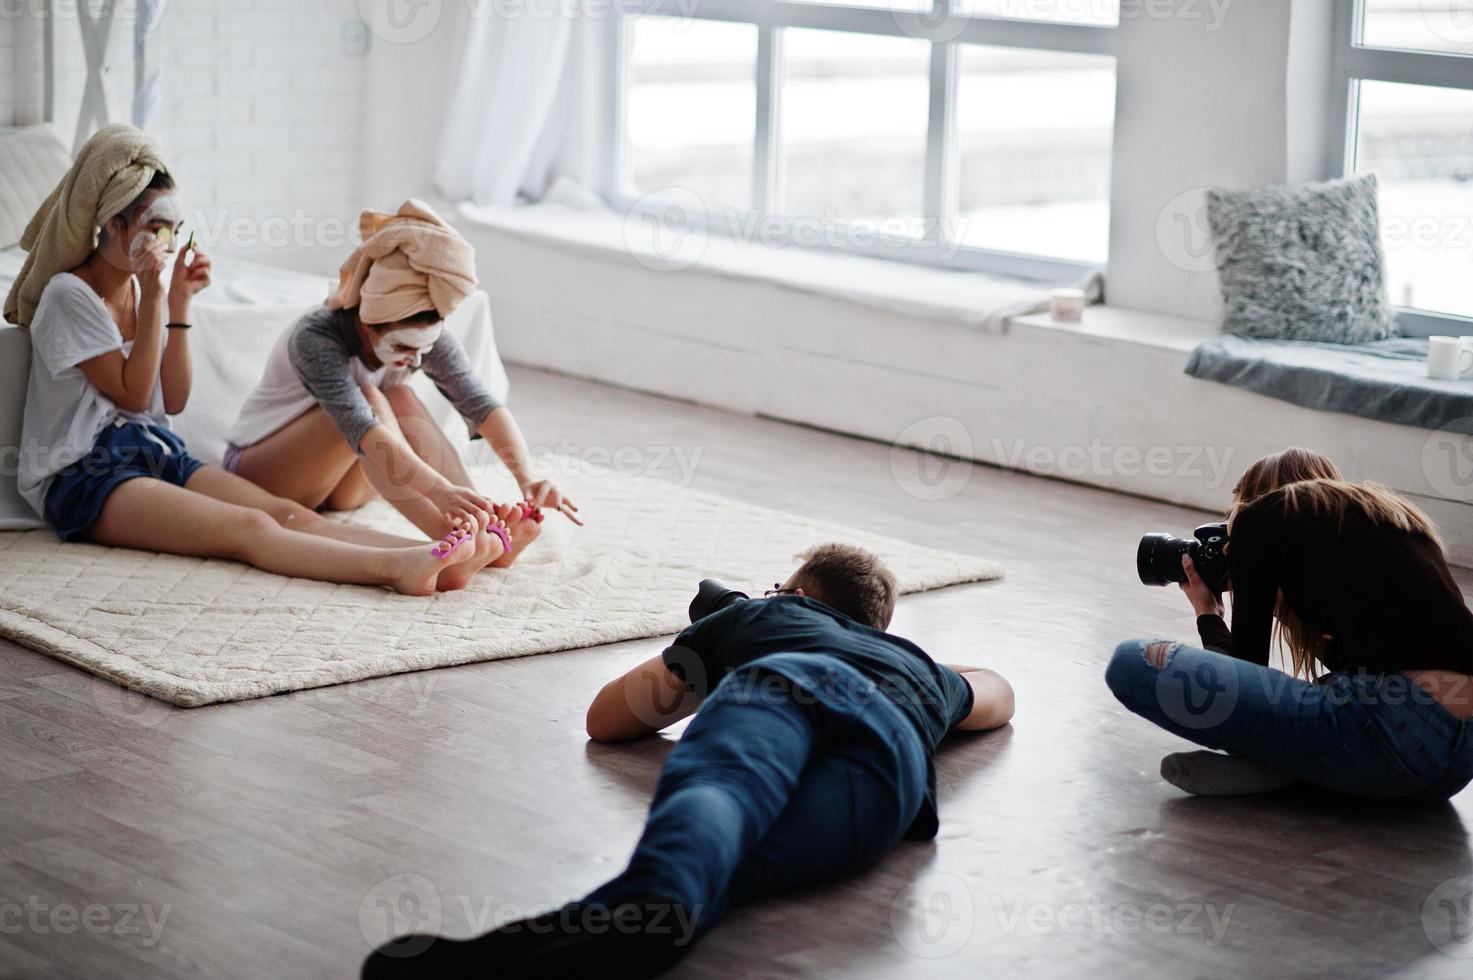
column 114, row 167
column 409, row 262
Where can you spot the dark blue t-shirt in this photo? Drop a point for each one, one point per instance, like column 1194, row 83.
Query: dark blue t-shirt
column 935, row 698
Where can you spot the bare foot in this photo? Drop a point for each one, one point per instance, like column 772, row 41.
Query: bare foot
column 421, row 565
column 524, row 529
column 488, row 549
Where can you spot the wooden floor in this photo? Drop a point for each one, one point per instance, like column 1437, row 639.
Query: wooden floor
column 272, row 838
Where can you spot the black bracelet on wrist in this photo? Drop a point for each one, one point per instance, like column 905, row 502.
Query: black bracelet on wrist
column 178, row 326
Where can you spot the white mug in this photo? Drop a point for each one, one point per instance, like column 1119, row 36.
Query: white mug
column 1066, row 304
column 1445, row 357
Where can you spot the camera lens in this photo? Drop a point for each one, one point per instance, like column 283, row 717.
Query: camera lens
column 713, row 596
column 1158, row 559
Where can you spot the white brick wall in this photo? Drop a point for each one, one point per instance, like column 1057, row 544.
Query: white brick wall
column 263, row 122
column 262, row 117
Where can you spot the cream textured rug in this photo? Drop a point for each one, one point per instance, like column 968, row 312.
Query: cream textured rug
column 194, row 632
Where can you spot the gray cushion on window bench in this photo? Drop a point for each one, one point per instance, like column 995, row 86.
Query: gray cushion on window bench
column 1385, row 380
column 1302, row 262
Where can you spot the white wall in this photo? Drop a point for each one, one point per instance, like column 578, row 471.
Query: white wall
column 262, row 119
column 263, row 123
column 1196, row 106
column 408, row 81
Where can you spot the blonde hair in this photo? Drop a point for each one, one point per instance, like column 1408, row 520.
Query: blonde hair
column 1311, row 482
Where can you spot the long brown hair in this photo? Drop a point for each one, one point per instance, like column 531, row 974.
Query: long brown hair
column 1312, row 482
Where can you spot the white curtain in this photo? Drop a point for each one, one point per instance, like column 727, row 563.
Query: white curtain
column 520, row 114
column 147, row 88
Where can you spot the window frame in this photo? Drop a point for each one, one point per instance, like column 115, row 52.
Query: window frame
column 944, row 31
column 1355, row 63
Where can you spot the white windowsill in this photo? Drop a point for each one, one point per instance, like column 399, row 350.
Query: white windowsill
column 970, row 299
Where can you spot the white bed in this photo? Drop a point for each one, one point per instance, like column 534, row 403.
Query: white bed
column 235, row 323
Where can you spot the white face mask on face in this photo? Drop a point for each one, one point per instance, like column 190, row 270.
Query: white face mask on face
column 163, row 209
column 390, row 347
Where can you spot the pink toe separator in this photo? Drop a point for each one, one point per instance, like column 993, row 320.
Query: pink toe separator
column 446, row 547
column 500, row 532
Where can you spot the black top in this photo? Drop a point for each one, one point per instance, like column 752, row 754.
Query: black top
column 934, row 697
column 1384, row 597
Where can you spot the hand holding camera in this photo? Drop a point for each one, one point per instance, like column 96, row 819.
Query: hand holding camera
column 1204, row 601
column 1199, row 565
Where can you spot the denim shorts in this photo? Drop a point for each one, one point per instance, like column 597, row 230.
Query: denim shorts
column 123, row 451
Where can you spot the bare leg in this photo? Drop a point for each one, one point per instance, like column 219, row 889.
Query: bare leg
column 150, row 514
column 302, row 461
column 406, row 500
column 425, row 436
column 430, row 443
column 220, row 485
column 309, row 462
column 353, row 491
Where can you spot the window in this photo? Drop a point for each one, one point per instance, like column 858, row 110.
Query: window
column 1034, row 133
column 691, row 104
column 977, row 134
column 1407, row 73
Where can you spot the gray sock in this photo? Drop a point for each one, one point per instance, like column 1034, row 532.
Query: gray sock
column 1206, row 773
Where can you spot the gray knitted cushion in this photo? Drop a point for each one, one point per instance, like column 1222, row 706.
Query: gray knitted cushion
column 1302, row 262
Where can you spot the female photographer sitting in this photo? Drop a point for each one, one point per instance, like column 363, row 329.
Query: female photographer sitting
column 99, row 460
column 1380, row 639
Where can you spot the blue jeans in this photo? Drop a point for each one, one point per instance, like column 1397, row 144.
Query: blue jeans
column 781, row 780
column 1369, row 735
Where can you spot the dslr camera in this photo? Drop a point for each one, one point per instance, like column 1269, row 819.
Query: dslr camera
column 713, row 596
column 1158, row 559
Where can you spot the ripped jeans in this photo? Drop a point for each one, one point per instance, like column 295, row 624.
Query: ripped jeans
column 1360, row 734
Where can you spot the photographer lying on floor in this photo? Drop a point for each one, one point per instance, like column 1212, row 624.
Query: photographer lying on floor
column 810, row 759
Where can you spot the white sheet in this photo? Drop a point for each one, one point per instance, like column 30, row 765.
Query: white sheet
column 235, row 323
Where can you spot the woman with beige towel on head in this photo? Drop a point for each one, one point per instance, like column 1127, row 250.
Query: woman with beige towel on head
column 110, row 363
column 333, row 422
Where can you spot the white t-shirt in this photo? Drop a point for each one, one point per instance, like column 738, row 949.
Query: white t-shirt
column 64, row 411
